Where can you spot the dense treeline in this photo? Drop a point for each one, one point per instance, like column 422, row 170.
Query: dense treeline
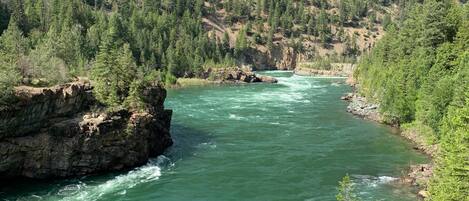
column 419, row 73
column 45, row 42
column 49, row 41
column 293, row 19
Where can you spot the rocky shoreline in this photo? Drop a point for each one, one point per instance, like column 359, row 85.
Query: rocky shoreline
column 359, row 106
column 55, row 133
column 417, row 175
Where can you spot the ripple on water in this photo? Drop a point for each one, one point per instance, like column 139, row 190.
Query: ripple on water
column 257, row 142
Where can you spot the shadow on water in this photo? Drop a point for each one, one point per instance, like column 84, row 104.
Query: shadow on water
column 186, row 141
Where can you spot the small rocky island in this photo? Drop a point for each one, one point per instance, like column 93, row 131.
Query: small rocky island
column 58, row 132
column 228, row 75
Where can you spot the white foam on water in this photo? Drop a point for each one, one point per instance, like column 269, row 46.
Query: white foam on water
column 372, row 181
column 210, row 145
column 386, row 179
column 117, row 185
column 235, row 117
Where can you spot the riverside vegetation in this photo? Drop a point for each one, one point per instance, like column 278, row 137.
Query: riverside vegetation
column 116, row 43
column 417, row 73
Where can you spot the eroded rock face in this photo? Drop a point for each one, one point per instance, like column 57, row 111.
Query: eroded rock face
column 65, row 140
column 280, row 58
column 36, row 105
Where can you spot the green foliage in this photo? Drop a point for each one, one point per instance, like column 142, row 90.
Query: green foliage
column 346, row 190
column 51, row 42
column 451, row 181
column 419, row 74
column 4, row 17
column 8, row 79
column 241, row 43
column 170, row 79
column 134, row 100
column 56, row 40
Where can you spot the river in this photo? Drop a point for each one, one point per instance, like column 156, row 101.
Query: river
column 261, row 142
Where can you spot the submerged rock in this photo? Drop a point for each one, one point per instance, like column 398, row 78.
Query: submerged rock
column 50, row 133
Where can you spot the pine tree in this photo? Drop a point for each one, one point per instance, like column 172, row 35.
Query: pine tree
column 226, row 43
column 18, row 15
column 451, row 181
column 241, row 44
column 9, row 77
column 125, row 71
column 270, row 39
column 134, row 100
column 323, row 28
column 103, row 75
column 4, row 17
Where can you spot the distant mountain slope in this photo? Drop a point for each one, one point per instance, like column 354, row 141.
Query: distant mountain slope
column 309, row 30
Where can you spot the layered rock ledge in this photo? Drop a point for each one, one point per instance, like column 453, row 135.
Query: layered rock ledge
column 52, row 133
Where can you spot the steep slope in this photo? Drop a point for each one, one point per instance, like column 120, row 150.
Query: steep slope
column 300, row 31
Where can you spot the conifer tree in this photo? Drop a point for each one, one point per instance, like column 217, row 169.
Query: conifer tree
column 241, row 44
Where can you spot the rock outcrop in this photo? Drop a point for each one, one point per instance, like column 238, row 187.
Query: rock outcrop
column 36, row 105
column 280, row 58
column 51, row 133
column 361, row 107
column 235, row 75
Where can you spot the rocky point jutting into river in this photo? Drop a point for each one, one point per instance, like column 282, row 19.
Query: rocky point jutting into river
column 52, row 132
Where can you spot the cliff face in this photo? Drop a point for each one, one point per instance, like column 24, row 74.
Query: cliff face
column 280, row 58
column 36, row 105
column 50, row 133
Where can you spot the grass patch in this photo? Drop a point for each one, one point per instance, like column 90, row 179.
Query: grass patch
column 185, row 82
column 426, row 133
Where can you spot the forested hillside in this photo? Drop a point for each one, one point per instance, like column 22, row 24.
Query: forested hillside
column 419, row 73
column 46, row 42
column 413, row 54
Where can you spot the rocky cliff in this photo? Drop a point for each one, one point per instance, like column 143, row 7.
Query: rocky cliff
column 280, row 58
column 51, row 133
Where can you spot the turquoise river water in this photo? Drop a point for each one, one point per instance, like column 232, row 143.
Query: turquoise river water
column 262, row 142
